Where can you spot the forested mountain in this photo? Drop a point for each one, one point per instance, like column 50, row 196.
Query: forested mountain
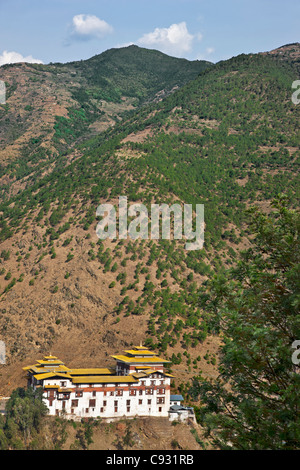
column 228, row 139
column 49, row 107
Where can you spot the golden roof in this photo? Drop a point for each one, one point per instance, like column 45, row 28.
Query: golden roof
column 48, row 362
column 146, row 373
column 50, row 367
column 133, row 360
column 140, row 352
column 95, row 371
column 41, row 368
column 104, row 379
column 47, row 375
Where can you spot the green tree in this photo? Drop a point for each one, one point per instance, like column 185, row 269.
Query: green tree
column 254, row 403
column 84, row 436
column 3, row 436
column 59, row 433
column 24, row 412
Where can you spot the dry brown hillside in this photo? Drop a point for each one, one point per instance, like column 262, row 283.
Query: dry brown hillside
column 65, row 304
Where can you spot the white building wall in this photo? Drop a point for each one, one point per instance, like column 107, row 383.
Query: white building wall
column 138, row 404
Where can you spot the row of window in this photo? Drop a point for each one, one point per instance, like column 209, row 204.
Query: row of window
column 92, row 402
column 119, row 393
column 143, row 383
column 87, row 410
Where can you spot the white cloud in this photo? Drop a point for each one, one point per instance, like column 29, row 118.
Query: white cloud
column 14, row 57
column 175, row 40
column 210, row 50
column 206, row 55
column 199, row 36
column 86, row 27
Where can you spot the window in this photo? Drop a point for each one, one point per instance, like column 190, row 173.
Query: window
column 128, row 409
column 141, row 392
column 92, row 403
column 161, row 400
column 149, row 402
column 127, row 402
column 74, row 403
column 140, row 402
column 78, row 394
column 63, row 396
column 161, row 391
column 104, row 403
column 94, row 393
column 119, row 393
column 132, row 392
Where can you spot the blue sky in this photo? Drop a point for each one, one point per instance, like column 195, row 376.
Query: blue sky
column 67, row 30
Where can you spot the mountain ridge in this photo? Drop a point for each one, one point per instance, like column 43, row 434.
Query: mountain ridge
column 42, row 100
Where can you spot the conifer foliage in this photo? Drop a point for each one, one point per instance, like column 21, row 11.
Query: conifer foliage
column 254, row 403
